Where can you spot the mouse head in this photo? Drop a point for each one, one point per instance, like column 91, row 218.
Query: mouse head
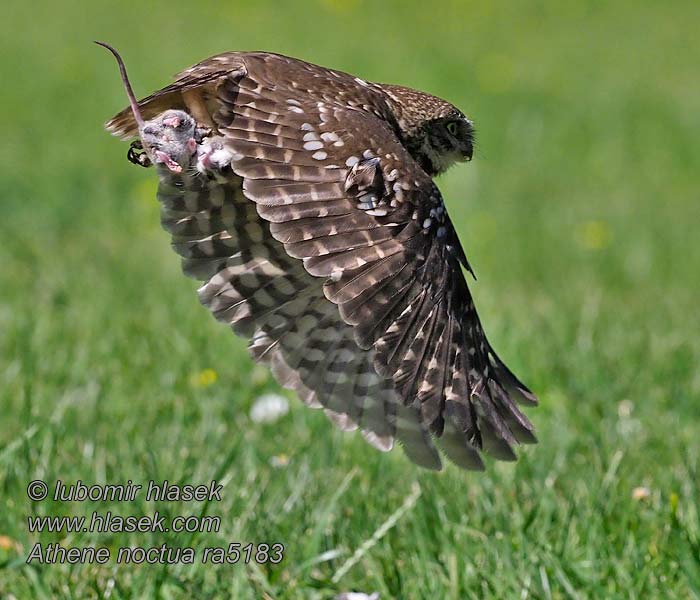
column 170, row 138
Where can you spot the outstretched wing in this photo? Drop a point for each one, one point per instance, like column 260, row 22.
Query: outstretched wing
column 342, row 193
column 268, row 297
column 348, row 275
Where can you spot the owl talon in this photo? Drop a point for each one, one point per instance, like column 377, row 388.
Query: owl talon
column 137, row 155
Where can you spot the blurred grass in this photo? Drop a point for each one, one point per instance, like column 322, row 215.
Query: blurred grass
column 579, row 215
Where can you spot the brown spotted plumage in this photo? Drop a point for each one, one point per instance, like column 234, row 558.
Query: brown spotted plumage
column 304, row 198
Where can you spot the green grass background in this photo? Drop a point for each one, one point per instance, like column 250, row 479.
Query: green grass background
column 579, row 214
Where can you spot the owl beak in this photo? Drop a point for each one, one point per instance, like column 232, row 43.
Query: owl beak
column 467, row 153
column 469, row 150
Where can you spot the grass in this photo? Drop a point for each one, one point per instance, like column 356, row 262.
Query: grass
column 579, row 215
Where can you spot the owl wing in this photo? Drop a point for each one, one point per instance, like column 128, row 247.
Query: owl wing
column 266, row 296
column 350, row 282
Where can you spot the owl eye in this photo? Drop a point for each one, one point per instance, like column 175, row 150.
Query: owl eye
column 452, row 128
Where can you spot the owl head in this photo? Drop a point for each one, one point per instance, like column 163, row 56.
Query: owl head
column 436, row 133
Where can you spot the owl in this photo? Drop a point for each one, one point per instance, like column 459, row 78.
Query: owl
column 303, row 199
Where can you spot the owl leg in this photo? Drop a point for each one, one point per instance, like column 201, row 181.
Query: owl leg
column 213, row 156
